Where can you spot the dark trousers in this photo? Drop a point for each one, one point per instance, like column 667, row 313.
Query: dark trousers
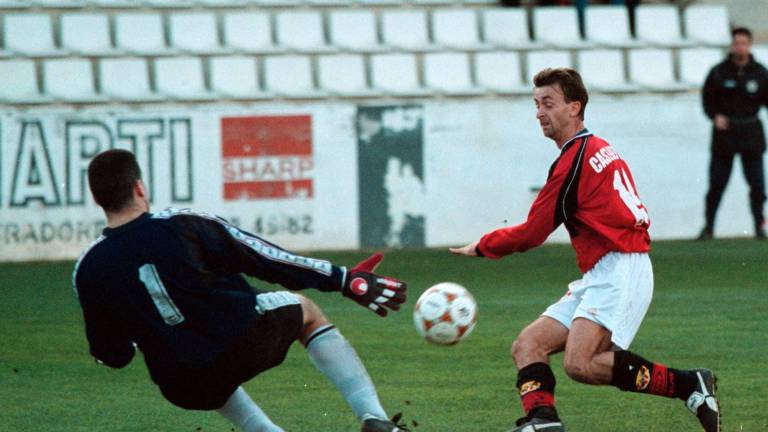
column 720, row 171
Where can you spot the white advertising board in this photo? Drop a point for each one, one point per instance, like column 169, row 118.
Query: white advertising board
column 203, row 159
column 339, row 176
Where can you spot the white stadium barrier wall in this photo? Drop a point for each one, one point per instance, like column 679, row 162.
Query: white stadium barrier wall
column 336, row 175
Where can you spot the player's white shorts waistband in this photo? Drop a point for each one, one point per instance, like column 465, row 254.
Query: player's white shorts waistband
column 615, row 294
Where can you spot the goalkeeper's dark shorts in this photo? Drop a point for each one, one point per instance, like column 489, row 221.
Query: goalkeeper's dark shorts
column 263, row 347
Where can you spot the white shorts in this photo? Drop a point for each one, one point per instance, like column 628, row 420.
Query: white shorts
column 615, row 294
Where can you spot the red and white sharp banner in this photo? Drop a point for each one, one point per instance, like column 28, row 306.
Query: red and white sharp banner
column 267, row 157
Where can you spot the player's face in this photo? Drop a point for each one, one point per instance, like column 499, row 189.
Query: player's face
column 553, row 112
column 741, row 45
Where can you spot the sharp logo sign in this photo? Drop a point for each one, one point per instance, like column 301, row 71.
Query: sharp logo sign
column 267, row 157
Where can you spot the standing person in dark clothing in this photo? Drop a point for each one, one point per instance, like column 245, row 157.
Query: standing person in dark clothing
column 732, row 95
column 171, row 285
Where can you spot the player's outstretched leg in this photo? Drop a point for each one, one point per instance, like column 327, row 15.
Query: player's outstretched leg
column 696, row 386
column 246, row 415
column 337, row 360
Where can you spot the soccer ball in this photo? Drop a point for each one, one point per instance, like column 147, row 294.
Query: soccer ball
column 445, row 314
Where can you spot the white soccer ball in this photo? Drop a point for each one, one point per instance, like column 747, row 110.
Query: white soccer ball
column 445, row 314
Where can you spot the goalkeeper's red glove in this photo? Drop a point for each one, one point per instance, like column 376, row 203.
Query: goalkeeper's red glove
column 377, row 293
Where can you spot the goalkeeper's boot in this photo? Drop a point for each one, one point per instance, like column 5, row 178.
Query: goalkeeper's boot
column 703, row 403
column 373, row 424
column 543, row 419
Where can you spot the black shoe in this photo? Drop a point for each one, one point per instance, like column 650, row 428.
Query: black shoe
column 703, row 402
column 381, row 425
column 760, row 234
column 705, row 235
column 540, row 425
column 542, row 419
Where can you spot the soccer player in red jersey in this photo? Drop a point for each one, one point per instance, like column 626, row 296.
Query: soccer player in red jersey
column 591, row 191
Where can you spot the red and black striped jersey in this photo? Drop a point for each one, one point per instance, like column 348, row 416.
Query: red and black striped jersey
column 589, row 189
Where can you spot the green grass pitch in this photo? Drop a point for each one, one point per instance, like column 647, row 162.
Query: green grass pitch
column 710, row 309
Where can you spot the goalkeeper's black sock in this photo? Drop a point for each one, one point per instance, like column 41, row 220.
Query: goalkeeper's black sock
column 636, row 374
column 536, row 386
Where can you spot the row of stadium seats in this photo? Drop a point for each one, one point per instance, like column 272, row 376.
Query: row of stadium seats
column 234, row 77
column 357, row 30
column 184, row 4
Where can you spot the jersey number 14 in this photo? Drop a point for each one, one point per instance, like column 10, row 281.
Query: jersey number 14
column 627, row 193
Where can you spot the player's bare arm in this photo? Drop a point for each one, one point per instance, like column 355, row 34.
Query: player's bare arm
column 468, row 250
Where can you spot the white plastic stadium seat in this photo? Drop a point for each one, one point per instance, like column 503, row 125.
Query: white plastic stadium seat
column 380, row 2
column 18, row 81
column 14, row 4
column 652, row 68
column 86, row 33
column 695, row 64
column 500, row 71
column 449, row 73
column 456, row 28
column 181, row 78
column 431, row 2
column 659, row 24
column 248, row 31
column 140, row 32
column 707, row 24
column 235, row 77
column 538, row 60
column 354, row 29
column 170, row 3
column 221, row 2
column 609, row 26
column 331, row 2
column 507, row 28
column 406, row 29
column 30, row 34
column 70, row 79
column 289, row 76
column 343, row 74
column 603, row 70
column 113, row 3
column 301, row 30
column 194, row 32
column 396, row 74
column 480, row 2
column 61, row 4
column 557, row 26
column 273, row 2
column 126, row 79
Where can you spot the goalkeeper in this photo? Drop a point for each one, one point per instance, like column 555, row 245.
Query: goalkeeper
column 170, row 284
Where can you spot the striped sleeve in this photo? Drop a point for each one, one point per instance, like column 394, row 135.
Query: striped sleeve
column 243, row 252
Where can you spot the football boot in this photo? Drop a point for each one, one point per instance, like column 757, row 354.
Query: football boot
column 703, row 403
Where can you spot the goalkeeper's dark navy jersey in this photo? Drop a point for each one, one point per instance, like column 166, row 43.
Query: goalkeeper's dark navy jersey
column 171, row 284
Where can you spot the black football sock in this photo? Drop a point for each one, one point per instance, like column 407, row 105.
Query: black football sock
column 536, row 386
column 636, row 374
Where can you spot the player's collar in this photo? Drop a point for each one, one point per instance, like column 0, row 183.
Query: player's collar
column 126, row 226
column 582, row 133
